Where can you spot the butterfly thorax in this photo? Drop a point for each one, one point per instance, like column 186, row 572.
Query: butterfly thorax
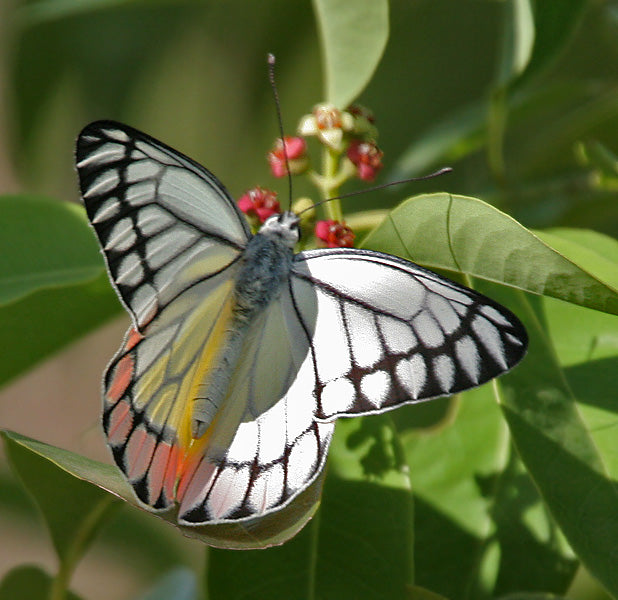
column 265, row 265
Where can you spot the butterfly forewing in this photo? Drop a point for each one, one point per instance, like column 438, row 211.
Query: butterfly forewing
column 164, row 222
column 403, row 334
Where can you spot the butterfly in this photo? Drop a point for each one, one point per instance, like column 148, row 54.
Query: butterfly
column 223, row 396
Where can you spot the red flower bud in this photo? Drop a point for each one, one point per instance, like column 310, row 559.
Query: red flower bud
column 259, row 202
column 334, row 234
column 367, row 158
column 297, row 158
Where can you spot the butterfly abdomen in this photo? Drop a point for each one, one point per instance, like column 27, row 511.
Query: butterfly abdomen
column 266, row 264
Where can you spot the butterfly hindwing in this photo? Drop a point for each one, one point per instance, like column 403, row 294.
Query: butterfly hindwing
column 386, row 332
column 266, row 445
column 150, row 385
column 164, row 222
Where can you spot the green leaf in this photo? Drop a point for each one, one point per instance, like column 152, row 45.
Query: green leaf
column 517, row 40
column 559, row 450
column 259, row 533
column 359, row 545
column 29, row 583
column 471, row 490
column 578, row 245
column 44, row 243
column 72, row 509
column 450, row 139
column 353, row 37
column 179, row 584
column 531, row 596
column 53, row 283
column 44, row 322
column 555, row 25
column 465, row 235
column 416, row 592
column 40, row 11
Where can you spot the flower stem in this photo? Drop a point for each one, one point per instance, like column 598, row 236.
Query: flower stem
column 330, row 185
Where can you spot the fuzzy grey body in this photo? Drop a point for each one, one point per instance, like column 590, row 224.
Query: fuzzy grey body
column 266, row 264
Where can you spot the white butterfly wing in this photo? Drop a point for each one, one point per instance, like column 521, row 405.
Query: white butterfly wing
column 164, row 222
column 385, row 332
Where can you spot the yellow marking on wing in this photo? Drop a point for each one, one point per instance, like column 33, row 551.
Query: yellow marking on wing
column 159, row 412
column 148, row 382
column 191, row 383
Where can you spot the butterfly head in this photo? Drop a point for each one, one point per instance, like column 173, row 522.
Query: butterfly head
column 284, row 226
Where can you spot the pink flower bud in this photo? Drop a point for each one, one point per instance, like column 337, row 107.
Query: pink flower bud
column 367, row 158
column 334, row 234
column 259, row 202
column 297, row 159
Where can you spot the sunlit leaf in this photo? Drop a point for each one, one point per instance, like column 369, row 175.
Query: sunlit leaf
column 559, row 451
column 466, row 235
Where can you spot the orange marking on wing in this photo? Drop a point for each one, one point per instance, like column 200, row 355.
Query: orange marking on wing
column 133, row 339
column 196, row 488
column 158, row 467
column 120, row 422
column 123, row 371
column 186, row 470
column 171, row 472
column 139, row 452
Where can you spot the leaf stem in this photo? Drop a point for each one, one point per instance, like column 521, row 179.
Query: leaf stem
column 75, row 550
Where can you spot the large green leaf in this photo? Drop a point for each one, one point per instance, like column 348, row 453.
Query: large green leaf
column 559, row 449
column 44, row 243
column 29, row 583
column 465, row 235
column 72, row 509
column 46, row 321
column 471, row 490
column 259, row 533
column 353, row 36
column 53, row 284
column 360, row 543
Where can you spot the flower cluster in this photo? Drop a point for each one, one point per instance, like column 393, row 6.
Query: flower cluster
column 349, row 149
column 260, row 203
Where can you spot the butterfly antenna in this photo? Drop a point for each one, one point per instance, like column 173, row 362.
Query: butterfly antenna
column 442, row 171
column 273, row 85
